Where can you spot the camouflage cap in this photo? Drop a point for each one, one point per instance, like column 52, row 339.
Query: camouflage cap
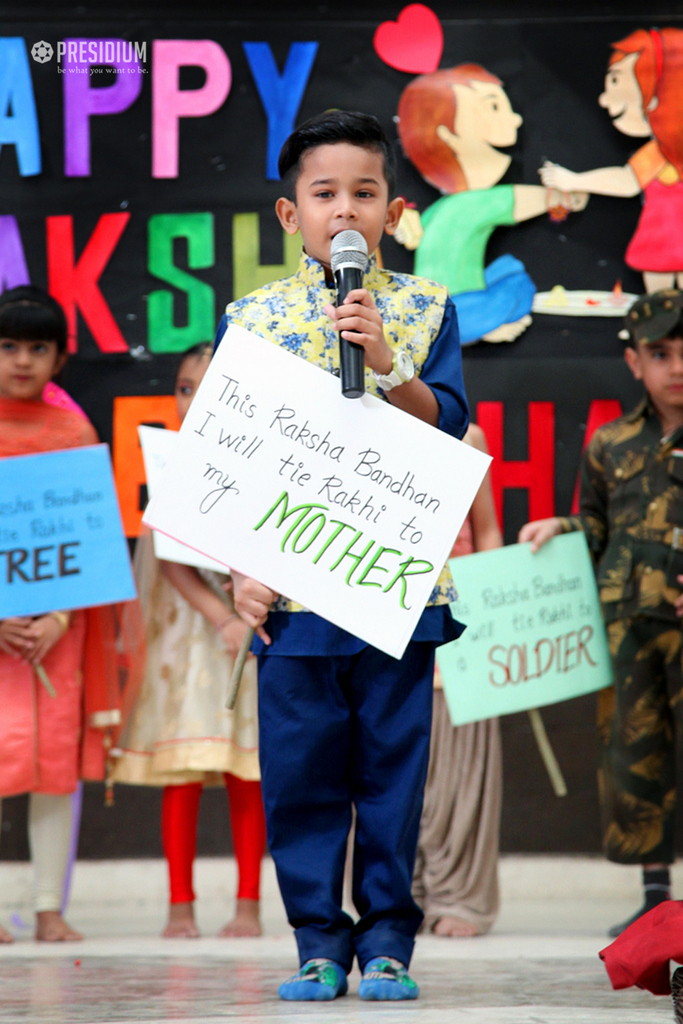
column 652, row 317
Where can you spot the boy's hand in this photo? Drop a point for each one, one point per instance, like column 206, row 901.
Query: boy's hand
column 359, row 321
column 539, row 532
column 572, row 201
column 252, row 602
column 578, row 201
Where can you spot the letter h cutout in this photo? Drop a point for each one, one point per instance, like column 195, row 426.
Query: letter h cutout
column 537, row 473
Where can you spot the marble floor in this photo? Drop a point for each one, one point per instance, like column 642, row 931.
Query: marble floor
column 190, row 987
column 539, row 966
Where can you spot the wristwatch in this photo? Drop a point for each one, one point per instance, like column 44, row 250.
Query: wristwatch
column 402, row 370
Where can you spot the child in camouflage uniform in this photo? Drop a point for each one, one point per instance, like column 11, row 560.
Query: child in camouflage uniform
column 632, row 514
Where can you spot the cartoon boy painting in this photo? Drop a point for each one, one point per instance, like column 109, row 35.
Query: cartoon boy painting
column 644, row 97
column 452, row 125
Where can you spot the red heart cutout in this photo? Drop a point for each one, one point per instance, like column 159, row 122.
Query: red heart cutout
column 413, row 43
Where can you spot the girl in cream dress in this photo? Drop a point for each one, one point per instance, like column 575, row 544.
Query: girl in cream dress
column 179, row 734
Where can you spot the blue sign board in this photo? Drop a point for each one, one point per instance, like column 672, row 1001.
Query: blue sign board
column 62, row 543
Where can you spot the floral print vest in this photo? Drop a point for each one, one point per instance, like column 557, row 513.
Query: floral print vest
column 290, row 312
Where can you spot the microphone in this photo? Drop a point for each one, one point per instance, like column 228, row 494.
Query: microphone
column 348, row 259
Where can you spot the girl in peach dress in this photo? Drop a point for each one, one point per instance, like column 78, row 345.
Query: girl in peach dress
column 48, row 741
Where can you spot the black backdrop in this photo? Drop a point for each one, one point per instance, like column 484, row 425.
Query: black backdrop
column 552, row 66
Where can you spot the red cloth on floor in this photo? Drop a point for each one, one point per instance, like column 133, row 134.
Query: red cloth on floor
column 179, row 812
column 641, row 954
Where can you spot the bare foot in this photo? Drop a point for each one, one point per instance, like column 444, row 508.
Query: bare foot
column 508, row 332
column 5, row 936
column 181, row 922
column 245, row 924
column 455, row 927
column 51, row 927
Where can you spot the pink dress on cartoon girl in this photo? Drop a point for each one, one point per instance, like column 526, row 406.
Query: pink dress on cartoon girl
column 657, row 245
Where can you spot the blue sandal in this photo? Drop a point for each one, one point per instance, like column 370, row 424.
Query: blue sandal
column 386, row 978
column 317, row 980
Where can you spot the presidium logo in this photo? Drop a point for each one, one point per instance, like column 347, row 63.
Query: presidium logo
column 42, row 52
column 83, row 52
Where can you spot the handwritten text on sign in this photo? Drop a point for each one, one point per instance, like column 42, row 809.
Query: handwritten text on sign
column 535, row 633
column 347, row 507
column 62, row 541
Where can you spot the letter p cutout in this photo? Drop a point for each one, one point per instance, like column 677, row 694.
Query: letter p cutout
column 170, row 103
column 81, row 102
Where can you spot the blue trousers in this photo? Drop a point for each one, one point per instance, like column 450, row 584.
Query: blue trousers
column 336, row 732
column 508, row 296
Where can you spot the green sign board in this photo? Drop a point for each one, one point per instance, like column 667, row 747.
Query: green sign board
column 534, row 633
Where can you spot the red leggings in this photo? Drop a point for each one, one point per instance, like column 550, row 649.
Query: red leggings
column 179, row 812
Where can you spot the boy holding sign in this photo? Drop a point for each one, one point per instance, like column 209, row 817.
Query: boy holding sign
column 632, row 515
column 341, row 723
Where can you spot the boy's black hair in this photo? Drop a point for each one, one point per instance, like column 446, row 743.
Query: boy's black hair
column 202, row 348
column 28, row 313
column 327, row 129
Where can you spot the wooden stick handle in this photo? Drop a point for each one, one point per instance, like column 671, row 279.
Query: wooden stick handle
column 547, row 753
column 45, row 679
column 236, row 677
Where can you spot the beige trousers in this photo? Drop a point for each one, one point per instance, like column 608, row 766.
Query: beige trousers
column 456, row 871
column 49, row 836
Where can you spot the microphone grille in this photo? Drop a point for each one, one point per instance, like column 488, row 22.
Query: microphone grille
column 348, row 249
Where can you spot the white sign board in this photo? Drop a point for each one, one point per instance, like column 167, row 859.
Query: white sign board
column 159, row 447
column 349, row 507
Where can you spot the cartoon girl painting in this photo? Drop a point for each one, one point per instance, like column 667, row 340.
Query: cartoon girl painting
column 452, row 124
column 644, row 97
